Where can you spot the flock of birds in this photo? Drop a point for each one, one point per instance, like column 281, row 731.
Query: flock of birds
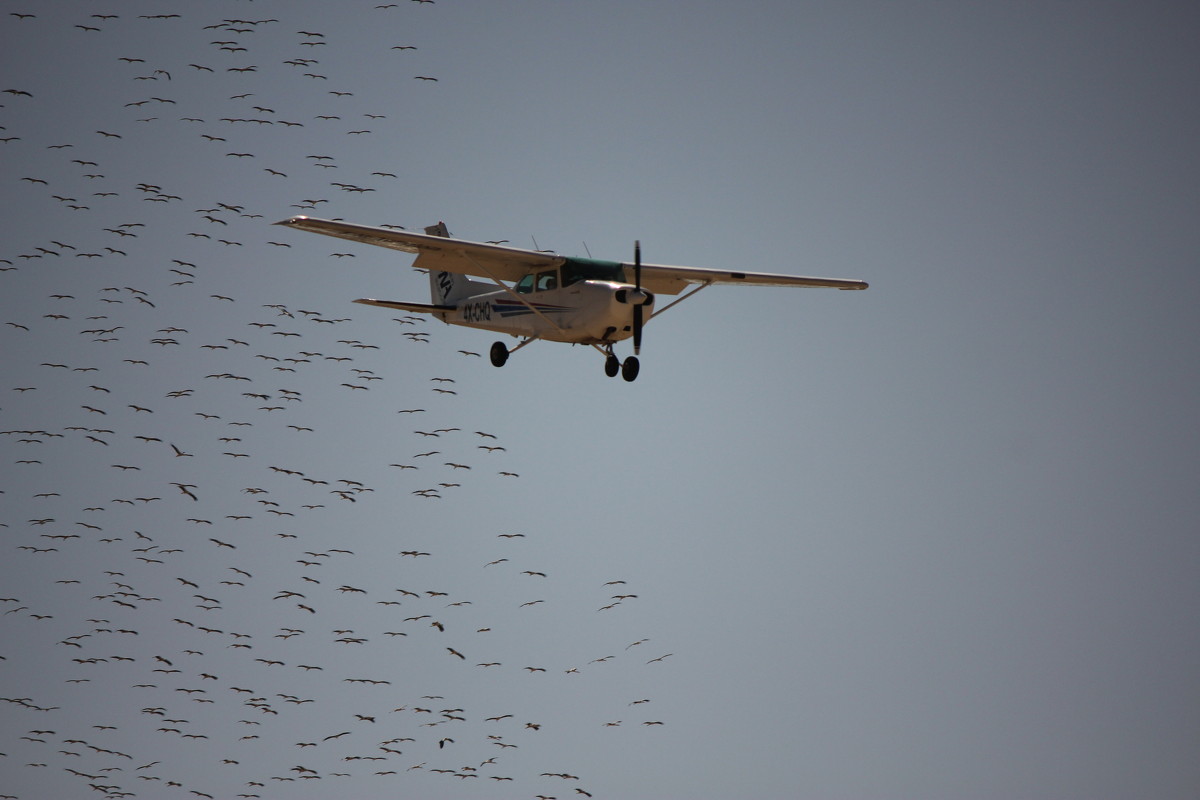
column 207, row 591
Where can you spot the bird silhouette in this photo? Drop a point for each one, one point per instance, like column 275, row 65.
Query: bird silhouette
column 200, row 610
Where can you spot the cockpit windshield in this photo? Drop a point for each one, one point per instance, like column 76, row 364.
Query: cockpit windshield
column 584, row 269
column 574, row 270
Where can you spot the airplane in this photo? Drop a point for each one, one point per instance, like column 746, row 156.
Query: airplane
column 539, row 295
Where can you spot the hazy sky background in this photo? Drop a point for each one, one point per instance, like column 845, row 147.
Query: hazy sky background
column 937, row 539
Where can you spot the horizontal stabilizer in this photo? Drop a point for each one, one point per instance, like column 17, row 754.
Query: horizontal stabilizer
column 423, row 308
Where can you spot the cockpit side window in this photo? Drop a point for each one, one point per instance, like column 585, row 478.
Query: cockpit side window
column 547, row 280
column 525, row 285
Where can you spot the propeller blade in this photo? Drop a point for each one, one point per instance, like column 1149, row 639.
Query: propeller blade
column 637, row 310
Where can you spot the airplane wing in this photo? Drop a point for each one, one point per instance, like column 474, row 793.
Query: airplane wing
column 437, row 252
column 662, row 279
column 511, row 263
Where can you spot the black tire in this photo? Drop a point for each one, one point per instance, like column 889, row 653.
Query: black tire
column 629, row 370
column 499, row 354
column 612, row 365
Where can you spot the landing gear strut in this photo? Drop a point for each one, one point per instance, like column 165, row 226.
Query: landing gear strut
column 499, row 354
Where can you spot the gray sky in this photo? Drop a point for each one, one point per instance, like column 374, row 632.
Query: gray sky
column 932, row 540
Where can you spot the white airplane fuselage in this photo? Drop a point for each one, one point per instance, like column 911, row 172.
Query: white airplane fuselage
column 586, row 312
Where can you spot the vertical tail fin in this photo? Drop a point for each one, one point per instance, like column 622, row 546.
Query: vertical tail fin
column 446, row 288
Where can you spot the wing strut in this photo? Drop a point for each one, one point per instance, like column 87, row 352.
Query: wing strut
column 681, row 298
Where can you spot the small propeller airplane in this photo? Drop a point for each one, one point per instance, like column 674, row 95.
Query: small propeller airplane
column 535, row 294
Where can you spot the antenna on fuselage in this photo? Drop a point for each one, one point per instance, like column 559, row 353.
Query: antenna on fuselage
column 586, row 250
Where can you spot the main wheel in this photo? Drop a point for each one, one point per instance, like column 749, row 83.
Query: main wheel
column 499, row 354
column 612, row 365
column 629, row 370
